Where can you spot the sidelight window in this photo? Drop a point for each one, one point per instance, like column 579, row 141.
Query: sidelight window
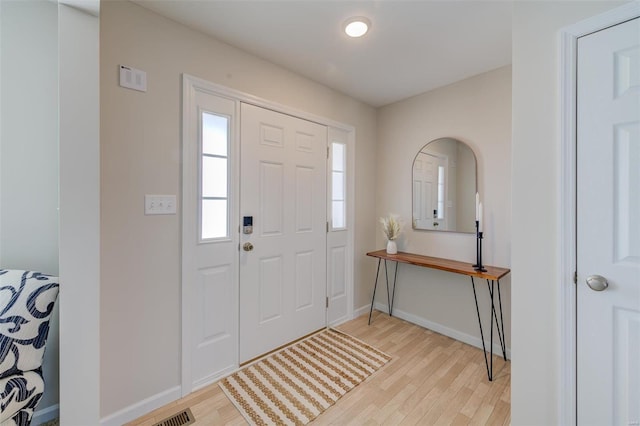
column 214, row 176
column 338, row 185
column 441, row 192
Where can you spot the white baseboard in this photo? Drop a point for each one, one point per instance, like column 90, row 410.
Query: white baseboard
column 439, row 328
column 361, row 311
column 339, row 321
column 209, row 380
column 141, row 408
column 46, row 414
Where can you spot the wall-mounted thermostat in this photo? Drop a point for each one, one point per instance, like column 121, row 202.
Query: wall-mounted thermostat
column 132, row 78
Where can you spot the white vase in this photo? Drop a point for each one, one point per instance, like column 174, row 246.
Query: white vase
column 392, row 247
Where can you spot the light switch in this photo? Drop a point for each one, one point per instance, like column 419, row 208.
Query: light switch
column 133, row 78
column 159, row 204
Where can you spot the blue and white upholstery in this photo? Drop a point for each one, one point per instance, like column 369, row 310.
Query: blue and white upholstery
column 26, row 303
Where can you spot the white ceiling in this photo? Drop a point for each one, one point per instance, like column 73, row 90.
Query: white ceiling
column 412, row 47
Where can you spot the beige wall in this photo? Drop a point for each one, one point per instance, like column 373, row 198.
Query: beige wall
column 476, row 111
column 140, row 154
column 536, row 153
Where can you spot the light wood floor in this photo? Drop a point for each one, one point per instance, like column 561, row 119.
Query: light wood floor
column 431, row 380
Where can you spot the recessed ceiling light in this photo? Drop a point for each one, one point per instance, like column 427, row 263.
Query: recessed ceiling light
column 357, row 26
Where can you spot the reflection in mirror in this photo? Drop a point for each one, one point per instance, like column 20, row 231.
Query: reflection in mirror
column 444, row 187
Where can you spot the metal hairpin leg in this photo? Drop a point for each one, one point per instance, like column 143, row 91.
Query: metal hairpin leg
column 393, row 294
column 489, row 362
column 484, row 349
column 500, row 323
column 390, row 297
column 386, row 275
column 375, row 286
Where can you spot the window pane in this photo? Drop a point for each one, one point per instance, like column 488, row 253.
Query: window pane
column 214, row 177
column 440, row 192
column 337, row 214
column 214, row 134
column 214, row 219
column 337, row 182
column 338, row 156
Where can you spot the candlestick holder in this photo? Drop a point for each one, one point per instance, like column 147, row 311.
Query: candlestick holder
column 478, row 265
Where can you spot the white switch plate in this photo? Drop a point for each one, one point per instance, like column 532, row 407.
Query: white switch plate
column 133, row 78
column 159, row 204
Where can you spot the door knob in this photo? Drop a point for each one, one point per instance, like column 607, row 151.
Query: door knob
column 597, row 283
column 247, row 246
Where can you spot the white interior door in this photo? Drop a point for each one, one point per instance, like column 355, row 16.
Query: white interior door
column 284, row 190
column 608, row 226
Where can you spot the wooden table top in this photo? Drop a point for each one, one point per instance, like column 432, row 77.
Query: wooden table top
column 464, row 268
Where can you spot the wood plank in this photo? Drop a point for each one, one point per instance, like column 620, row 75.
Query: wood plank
column 457, row 267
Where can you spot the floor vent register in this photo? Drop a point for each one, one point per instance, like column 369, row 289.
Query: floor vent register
column 183, row 418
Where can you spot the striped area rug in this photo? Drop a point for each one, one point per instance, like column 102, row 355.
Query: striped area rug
column 295, row 385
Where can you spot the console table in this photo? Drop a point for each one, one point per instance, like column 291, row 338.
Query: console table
column 492, row 275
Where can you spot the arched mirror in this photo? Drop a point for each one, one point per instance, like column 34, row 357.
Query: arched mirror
column 444, row 187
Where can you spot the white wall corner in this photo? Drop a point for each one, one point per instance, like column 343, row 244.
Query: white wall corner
column 79, row 247
column 92, row 7
column 361, row 311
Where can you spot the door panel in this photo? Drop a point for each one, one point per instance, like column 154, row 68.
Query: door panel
column 270, row 289
column 303, row 285
column 283, row 278
column 271, row 199
column 608, row 229
column 209, row 245
column 214, row 288
column 304, row 199
column 627, row 192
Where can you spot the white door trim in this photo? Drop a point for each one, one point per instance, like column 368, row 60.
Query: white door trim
column 191, row 83
column 567, row 199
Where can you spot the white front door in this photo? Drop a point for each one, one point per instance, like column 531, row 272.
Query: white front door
column 608, row 226
column 284, row 191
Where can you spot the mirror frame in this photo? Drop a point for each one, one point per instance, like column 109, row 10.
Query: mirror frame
column 475, row 159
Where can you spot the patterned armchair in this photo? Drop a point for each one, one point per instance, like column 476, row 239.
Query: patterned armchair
column 26, row 303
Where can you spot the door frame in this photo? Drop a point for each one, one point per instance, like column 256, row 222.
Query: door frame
column 567, row 181
column 191, row 83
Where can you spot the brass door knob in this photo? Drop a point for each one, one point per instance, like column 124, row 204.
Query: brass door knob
column 247, row 246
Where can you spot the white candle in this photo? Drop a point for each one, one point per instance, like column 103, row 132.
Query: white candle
column 480, row 227
column 477, row 207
